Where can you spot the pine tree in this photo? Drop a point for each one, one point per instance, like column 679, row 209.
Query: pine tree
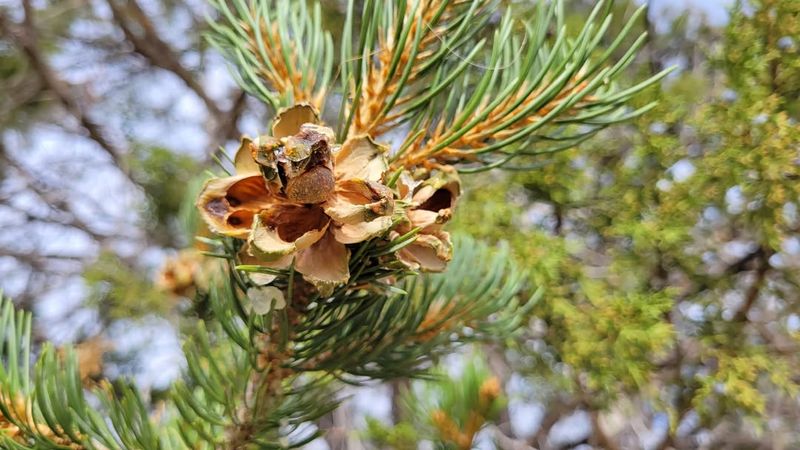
column 334, row 263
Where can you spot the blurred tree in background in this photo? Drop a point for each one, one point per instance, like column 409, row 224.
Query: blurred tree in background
column 103, row 105
column 668, row 249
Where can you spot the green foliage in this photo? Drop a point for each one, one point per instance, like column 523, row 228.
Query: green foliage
column 167, row 179
column 414, row 63
column 46, row 407
column 762, row 53
column 753, row 150
column 281, row 52
column 226, row 382
column 448, row 410
column 738, row 383
column 612, row 337
column 402, row 436
column 240, row 390
column 392, row 333
column 645, row 300
column 121, row 291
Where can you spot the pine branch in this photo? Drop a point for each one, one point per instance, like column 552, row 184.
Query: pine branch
column 369, row 331
column 240, row 389
column 235, row 396
column 550, row 98
column 282, row 55
column 530, row 89
column 253, row 375
column 412, row 37
column 45, row 406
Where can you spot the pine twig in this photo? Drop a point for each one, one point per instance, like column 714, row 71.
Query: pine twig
column 282, row 55
column 381, row 81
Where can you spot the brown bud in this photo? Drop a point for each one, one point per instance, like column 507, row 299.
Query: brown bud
column 305, row 165
column 313, row 186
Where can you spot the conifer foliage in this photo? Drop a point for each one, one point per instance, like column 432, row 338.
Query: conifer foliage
column 336, row 263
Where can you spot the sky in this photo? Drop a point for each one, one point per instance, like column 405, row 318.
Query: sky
column 713, row 12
